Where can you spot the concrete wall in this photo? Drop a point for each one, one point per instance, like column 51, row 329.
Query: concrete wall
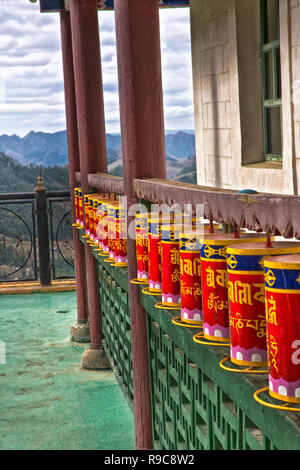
column 211, row 66
column 227, row 96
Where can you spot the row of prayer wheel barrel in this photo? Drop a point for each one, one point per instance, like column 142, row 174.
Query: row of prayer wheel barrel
column 105, row 225
column 263, row 288
column 181, row 272
column 170, row 272
column 149, row 239
column 160, row 261
column 225, row 283
column 243, row 292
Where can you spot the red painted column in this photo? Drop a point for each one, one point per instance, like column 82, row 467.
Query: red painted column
column 92, row 144
column 79, row 332
column 143, row 150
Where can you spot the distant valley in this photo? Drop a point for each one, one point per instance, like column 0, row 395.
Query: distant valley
column 49, row 150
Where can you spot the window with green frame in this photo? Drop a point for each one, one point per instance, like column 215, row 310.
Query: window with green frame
column 271, row 80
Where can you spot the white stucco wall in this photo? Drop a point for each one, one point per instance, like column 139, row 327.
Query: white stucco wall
column 224, row 159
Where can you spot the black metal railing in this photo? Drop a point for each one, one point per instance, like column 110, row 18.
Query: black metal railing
column 61, row 242
column 36, row 236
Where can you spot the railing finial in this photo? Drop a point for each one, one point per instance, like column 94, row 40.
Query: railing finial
column 40, row 183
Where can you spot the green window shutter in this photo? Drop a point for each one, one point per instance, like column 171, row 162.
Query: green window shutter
column 271, row 80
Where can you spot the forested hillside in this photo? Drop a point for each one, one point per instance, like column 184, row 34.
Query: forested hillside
column 15, row 177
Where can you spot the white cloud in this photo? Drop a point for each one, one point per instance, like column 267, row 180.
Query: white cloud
column 31, row 77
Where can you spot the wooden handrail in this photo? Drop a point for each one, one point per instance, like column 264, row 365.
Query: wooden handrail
column 275, row 213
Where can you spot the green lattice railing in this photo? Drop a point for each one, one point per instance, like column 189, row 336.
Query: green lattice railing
column 198, row 405
column 115, row 321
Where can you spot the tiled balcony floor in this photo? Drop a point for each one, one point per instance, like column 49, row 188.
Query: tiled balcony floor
column 46, row 400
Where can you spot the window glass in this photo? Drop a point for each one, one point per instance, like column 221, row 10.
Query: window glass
column 271, row 26
column 274, row 131
column 271, row 79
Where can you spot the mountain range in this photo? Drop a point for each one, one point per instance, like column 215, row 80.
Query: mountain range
column 50, row 149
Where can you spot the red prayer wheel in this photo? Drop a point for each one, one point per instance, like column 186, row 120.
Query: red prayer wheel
column 87, row 206
column 155, row 222
column 76, row 203
column 190, row 278
column 214, row 282
column 142, row 247
column 282, row 297
column 170, row 274
column 190, row 273
column 246, row 291
column 154, row 252
column 111, row 230
column 92, row 209
column 80, row 207
column 102, row 227
column 155, row 246
column 92, row 218
column 97, row 210
column 89, row 216
column 121, row 237
column 95, row 218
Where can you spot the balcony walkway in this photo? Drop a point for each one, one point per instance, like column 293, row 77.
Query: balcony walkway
column 46, row 400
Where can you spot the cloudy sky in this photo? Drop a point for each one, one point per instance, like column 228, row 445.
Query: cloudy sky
column 31, row 82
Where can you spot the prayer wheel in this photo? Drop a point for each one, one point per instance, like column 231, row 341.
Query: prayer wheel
column 76, row 203
column 97, row 209
column 87, row 204
column 111, row 230
column 190, row 278
column 95, row 221
column 282, row 297
column 80, row 207
column 155, row 222
column 148, row 243
column 120, row 237
column 214, row 282
column 93, row 218
column 246, row 291
column 154, row 252
column 101, row 234
column 141, row 224
column 102, row 228
column 190, row 273
column 92, row 213
column 170, row 263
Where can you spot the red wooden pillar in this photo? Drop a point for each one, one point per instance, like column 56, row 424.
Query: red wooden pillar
column 80, row 331
column 143, row 150
column 92, row 144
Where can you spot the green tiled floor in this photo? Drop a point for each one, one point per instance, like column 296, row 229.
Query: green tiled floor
column 46, row 400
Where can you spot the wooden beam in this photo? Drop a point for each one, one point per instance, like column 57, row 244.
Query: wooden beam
column 143, row 153
column 278, row 214
column 89, row 88
column 59, row 5
column 91, row 129
column 73, row 157
column 258, row 211
column 106, row 183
